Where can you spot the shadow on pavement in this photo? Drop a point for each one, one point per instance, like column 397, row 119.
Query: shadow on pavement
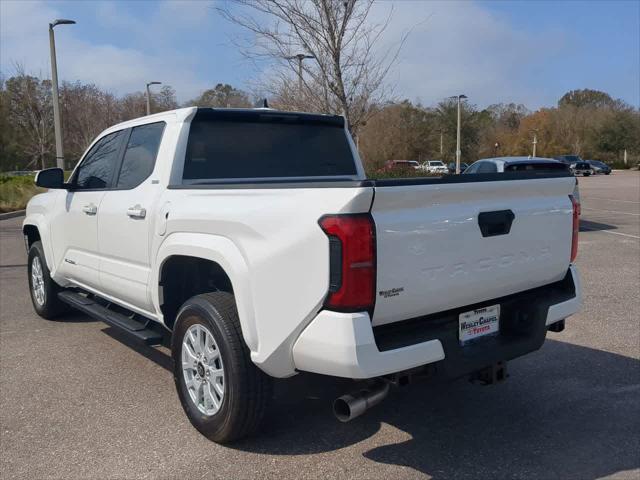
column 566, row 412
column 589, row 226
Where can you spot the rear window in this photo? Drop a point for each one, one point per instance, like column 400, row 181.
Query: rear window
column 536, row 166
column 248, row 145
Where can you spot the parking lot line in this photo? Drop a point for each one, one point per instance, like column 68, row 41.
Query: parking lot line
column 612, row 200
column 611, row 211
column 607, row 231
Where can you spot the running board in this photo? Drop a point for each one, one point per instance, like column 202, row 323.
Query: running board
column 138, row 330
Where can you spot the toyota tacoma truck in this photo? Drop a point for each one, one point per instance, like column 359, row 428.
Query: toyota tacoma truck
column 252, row 244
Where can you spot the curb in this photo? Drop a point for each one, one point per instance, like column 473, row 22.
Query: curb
column 7, row 216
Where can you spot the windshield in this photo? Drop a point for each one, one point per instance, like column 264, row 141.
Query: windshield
column 436, row 164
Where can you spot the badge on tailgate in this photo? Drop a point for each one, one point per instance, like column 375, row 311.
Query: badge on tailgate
column 478, row 323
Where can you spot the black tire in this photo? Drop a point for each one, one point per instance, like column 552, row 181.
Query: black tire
column 247, row 389
column 51, row 307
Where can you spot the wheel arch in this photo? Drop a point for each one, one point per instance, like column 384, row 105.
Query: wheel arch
column 34, row 229
column 210, row 257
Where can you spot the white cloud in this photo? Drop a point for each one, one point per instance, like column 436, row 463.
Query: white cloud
column 454, row 47
column 25, row 41
column 460, row 47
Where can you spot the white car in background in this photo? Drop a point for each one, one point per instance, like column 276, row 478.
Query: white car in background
column 434, row 166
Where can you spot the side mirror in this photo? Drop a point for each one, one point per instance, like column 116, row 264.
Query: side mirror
column 50, row 178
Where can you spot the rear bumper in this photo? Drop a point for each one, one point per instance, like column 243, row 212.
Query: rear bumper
column 346, row 345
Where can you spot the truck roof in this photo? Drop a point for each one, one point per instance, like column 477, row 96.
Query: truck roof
column 183, row 114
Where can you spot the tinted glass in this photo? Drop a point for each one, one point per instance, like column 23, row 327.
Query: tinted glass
column 535, row 166
column 487, row 167
column 473, row 168
column 140, row 155
column 263, row 148
column 97, row 168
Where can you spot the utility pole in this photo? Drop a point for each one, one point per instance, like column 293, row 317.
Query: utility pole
column 535, row 142
column 300, row 57
column 149, row 96
column 57, row 124
column 458, row 147
column 441, row 150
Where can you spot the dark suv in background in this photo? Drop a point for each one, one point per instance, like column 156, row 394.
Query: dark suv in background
column 599, row 167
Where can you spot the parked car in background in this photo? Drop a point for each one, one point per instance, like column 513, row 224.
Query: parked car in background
column 523, row 164
column 581, row 168
column 515, row 164
column 452, row 167
column 395, row 165
column 568, row 159
column 434, row 166
column 599, row 167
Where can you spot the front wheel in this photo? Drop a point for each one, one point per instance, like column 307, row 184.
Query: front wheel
column 44, row 291
column 222, row 392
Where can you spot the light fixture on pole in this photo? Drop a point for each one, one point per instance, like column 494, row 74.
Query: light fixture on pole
column 458, row 148
column 149, row 96
column 57, row 124
column 300, row 57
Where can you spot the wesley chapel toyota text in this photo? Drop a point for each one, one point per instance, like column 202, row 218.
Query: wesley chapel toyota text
column 251, row 242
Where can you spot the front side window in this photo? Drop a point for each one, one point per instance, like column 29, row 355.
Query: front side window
column 473, row 168
column 97, row 168
column 140, row 155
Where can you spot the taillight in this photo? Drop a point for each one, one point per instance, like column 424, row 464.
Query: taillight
column 352, row 262
column 576, row 228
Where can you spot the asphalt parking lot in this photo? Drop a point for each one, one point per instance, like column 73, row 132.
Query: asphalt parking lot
column 78, row 400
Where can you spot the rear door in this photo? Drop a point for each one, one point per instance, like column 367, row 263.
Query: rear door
column 74, row 228
column 446, row 245
column 125, row 222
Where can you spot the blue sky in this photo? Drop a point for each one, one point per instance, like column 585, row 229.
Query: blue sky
column 528, row 52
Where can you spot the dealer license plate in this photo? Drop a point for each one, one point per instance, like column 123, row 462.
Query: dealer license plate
column 478, row 323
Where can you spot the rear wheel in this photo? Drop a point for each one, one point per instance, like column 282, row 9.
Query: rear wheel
column 222, row 392
column 44, row 291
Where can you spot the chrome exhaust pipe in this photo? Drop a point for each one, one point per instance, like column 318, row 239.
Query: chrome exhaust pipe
column 352, row 405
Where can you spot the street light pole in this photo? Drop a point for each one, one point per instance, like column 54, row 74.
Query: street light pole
column 458, row 148
column 57, row 124
column 535, row 142
column 149, row 96
column 300, row 57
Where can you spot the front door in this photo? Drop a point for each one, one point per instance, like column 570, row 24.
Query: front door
column 74, row 228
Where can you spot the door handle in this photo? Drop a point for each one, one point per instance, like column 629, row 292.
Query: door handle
column 137, row 212
column 90, row 209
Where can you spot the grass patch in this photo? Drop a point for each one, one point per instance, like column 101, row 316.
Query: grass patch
column 15, row 192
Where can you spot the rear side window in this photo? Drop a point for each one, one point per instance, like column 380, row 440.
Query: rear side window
column 266, row 147
column 98, row 166
column 140, row 155
column 487, row 167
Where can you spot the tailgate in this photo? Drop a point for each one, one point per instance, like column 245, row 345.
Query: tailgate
column 432, row 253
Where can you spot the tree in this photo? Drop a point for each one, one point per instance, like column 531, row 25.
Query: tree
column 346, row 75
column 28, row 101
column 164, row 100
column 588, row 98
column 222, row 96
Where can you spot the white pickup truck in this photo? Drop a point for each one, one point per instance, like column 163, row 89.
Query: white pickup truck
column 251, row 243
